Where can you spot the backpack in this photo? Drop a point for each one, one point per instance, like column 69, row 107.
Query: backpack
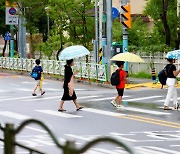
column 35, row 72
column 162, row 77
column 115, row 80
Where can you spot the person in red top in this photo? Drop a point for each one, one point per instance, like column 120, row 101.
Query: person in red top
column 121, row 86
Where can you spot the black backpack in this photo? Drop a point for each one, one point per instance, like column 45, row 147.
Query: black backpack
column 162, row 77
column 115, row 80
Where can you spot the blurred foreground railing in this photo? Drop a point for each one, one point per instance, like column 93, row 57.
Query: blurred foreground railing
column 10, row 142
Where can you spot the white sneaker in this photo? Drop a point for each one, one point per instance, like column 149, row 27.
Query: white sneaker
column 113, row 102
column 120, row 107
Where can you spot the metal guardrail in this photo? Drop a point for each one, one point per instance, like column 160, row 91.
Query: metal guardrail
column 69, row 148
column 86, row 70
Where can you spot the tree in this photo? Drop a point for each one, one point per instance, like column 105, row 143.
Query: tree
column 3, row 27
column 164, row 17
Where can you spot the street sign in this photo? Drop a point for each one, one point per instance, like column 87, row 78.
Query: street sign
column 7, row 36
column 11, row 17
column 115, row 12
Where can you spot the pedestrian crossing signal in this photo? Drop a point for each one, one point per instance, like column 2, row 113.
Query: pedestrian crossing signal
column 126, row 16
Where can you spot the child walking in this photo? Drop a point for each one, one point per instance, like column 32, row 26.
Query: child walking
column 38, row 69
column 121, row 86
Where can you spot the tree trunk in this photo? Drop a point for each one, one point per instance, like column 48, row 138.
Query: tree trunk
column 4, row 48
column 164, row 20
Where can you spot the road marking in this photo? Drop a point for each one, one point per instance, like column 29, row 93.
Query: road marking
column 162, row 100
column 24, row 89
column 152, row 121
column 104, row 151
column 55, row 97
column 3, row 91
column 59, row 114
column 8, row 99
column 14, row 115
column 36, row 129
column 146, row 111
column 103, row 112
column 142, row 98
column 161, row 150
column 174, row 145
column 105, row 98
column 143, row 150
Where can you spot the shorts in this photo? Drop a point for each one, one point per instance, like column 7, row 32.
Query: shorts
column 38, row 82
column 120, row 92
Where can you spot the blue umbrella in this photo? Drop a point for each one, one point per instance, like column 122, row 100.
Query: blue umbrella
column 173, row 54
column 73, row 52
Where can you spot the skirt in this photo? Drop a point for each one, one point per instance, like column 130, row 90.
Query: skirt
column 66, row 95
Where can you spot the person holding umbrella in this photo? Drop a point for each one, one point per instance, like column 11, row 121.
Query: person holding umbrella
column 69, row 93
column 171, row 81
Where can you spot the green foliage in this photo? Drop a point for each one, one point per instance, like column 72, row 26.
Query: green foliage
column 140, row 75
column 154, row 10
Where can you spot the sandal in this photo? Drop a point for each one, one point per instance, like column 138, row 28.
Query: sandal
column 43, row 93
column 167, row 108
column 79, row 108
column 61, row 110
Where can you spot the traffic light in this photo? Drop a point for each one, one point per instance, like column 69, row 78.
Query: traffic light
column 126, row 16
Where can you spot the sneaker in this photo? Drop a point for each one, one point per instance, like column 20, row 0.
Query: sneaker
column 120, row 107
column 113, row 102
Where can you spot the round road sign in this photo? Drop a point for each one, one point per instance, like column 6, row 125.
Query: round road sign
column 12, row 11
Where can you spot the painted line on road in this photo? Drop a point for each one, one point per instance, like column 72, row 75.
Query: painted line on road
column 103, row 112
column 9, row 99
column 55, row 97
column 146, row 111
column 174, row 145
column 142, row 98
column 152, row 121
column 163, row 100
column 59, row 114
column 162, row 150
column 102, row 99
column 14, row 115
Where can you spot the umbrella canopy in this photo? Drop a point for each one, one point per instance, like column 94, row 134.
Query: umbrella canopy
column 173, row 54
column 73, row 52
column 127, row 56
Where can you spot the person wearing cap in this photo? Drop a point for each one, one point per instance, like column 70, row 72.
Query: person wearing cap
column 171, row 73
column 121, row 86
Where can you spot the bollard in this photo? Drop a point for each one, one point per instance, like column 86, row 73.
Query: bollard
column 153, row 75
column 9, row 139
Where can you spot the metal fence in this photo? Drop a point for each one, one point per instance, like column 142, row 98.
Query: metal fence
column 86, row 70
column 10, row 142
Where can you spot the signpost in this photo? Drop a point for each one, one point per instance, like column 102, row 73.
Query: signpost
column 11, row 19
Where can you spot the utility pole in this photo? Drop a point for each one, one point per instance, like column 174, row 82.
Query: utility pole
column 109, row 35
column 96, row 42
column 22, row 35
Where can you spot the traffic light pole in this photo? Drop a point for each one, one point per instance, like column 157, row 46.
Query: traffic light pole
column 125, row 38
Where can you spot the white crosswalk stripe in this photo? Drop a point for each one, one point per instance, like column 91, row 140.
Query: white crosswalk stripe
column 14, row 115
column 102, row 99
column 141, row 98
column 59, row 114
column 162, row 100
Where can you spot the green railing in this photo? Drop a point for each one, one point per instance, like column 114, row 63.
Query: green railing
column 10, row 143
column 86, row 70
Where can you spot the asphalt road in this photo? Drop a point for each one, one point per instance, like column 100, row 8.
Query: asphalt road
column 143, row 124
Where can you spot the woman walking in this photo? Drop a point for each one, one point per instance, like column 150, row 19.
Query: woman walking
column 69, row 93
column 171, row 81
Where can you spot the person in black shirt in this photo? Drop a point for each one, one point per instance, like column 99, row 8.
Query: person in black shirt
column 170, row 82
column 69, row 93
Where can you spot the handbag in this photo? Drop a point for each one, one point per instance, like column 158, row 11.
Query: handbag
column 71, row 86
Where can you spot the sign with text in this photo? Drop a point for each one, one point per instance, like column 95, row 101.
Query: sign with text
column 11, row 16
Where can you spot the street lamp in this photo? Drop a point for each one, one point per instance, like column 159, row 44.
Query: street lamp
column 47, row 13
